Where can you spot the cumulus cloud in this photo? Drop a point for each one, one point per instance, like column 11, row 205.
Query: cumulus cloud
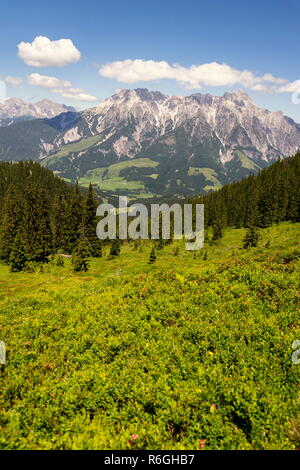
column 75, row 94
column 61, row 87
column 289, row 87
column 13, row 80
column 194, row 77
column 44, row 81
column 42, row 52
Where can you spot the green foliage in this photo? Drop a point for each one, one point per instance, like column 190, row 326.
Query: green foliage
column 80, row 255
column 270, row 197
column 177, row 353
column 176, row 251
column 217, row 231
column 152, row 256
column 58, row 261
column 74, row 220
column 115, row 248
column 89, row 223
column 19, row 254
column 10, row 221
column 251, row 237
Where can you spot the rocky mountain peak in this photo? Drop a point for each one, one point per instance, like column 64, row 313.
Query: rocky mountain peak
column 15, row 109
column 238, row 95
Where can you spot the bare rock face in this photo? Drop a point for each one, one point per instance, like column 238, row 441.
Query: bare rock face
column 232, row 120
column 199, row 141
column 15, row 110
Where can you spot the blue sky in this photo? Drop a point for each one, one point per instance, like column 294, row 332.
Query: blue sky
column 257, row 40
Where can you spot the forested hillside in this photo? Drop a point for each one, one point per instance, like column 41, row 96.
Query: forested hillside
column 270, row 197
column 42, row 215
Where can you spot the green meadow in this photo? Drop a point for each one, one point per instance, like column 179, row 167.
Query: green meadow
column 193, row 351
column 110, row 178
column 78, row 146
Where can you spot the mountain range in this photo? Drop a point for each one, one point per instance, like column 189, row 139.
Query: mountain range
column 15, row 110
column 143, row 143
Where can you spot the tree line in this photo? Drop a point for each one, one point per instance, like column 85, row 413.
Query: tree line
column 257, row 201
column 42, row 215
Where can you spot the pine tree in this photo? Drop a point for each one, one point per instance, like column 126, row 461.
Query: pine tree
column 251, row 238
column 160, row 244
column 152, row 256
column 18, row 255
column 217, row 231
column 36, row 223
column 80, row 261
column 89, row 223
column 59, row 223
column 74, row 219
column 176, row 251
column 10, row 221
column 115, row 248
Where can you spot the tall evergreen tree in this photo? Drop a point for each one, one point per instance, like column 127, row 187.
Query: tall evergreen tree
column 19, row 254
column 152, row 256
column 89, row 223
column 115, row 248
column 74, row 219
column 80, row 261
column 60, row 223
column 10, row 222
column 36, row 223
column 251, row 238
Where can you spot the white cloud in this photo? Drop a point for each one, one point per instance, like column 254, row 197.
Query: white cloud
column 268, row 77
column 42, row 52
column 61, row 87
column 194, row 77
column 44, row 81
column 75, row 94
column 290, row 87
column 13, row 80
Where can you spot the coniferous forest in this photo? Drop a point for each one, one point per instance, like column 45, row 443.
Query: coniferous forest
column 41, row 215
column 140, row 344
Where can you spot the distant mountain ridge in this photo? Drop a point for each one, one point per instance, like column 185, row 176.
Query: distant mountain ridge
column 15, row 110
column 148, row 142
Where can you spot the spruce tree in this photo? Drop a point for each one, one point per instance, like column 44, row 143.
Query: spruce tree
column 80, row 261
column 115, row 248
column 160, row 243
column 152, row 256
column 176, row 251
column 217, row 231
column 251, row 238
column 36, row 223
column 89, row 223
column 60, row 224
column 10, row 221
column 19, row 254
column 74, row 219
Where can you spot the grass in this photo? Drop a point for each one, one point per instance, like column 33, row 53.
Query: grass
column 78, row 146
column 246, row 162
column 210, row 175
column 109, row 179
column 176, row 352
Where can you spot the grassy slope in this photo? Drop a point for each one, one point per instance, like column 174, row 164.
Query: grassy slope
column 109, row 179
column 246, row 162
column 210, row 176
column 178, row 351
column 79, row 146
